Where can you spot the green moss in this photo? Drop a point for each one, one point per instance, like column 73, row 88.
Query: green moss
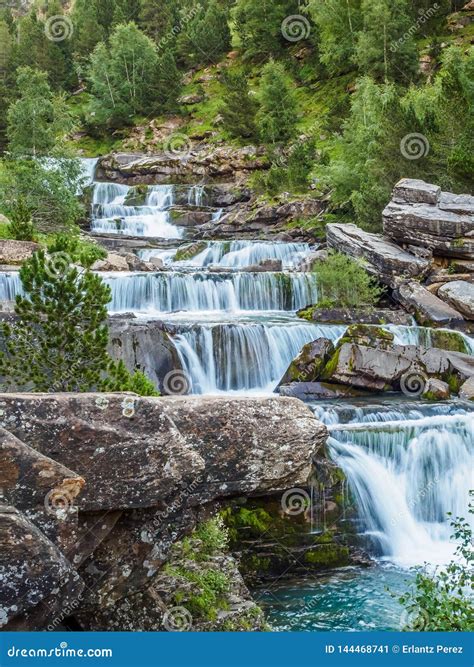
column 331, row 365
column 189, row 251
column 307, row 313
column 137, row 195
column 454, row 382
column 448, row 340
column 328, row 555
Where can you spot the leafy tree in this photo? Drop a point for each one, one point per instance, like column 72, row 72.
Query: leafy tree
column 339, row 23
column 59, row 339
column 158, row 17
column 123, row 76
column 88, row 32
column 45, row 192
column 344, row 283
column 38, row 119
column 439, row 601
column 385, row 48
column 239, row 107
column 277, row 116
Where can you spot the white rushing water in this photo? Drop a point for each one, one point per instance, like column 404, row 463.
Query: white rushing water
column 406, row 467
column 114, row 211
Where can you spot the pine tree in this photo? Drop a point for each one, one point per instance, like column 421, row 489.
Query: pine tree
column 168, row 81
column 206, row 37
column 239, row 107
column 386, row 49
column 38, row 119
column 59, row 339
column 88, row 32
column 158, row 17
column 258, row 25
column 338, row 23
column 277, row 116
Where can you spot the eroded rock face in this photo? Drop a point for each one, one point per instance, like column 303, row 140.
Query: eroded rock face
column 467, row 390
column 382, row 258
column 423, row 216
column 460, row 295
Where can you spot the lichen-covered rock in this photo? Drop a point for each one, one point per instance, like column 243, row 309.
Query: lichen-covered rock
column 361, row 315
column 16, row 252
column 460, row 295
column 138, row 452
column 309, row 364
column 382, row 258
column 37, row 583
column 436, row 390
column 113, row 262
column 412, row 191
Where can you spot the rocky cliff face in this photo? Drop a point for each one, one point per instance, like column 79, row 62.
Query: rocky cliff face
column 146, row 472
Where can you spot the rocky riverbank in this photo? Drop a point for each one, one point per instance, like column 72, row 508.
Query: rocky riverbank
column 100, row 490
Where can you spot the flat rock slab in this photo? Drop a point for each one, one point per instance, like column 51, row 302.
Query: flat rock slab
column 428, row 309
column 383, row 259
column 16, row 252
column 413, row 191
column 138, row 452
column 460, row 295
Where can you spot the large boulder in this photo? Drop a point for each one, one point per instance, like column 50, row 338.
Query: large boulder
column 382, row 258
column 467, row 390
column 428, row 309
column 460, row 295
column 138, row 452
column 310, row 362
column 420, row 215
column 16, row 252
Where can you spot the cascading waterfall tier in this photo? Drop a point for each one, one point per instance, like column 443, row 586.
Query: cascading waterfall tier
column 237, row 254
column 407, row 467
column 244, row 357
column 111, row 214
column 168, row 292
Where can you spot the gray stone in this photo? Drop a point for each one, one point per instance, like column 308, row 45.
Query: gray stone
column 317, row 391
column 413, row 191
column 436, row 389
column 467, row 390
column 463, row 204
column 112, row 262
column 460, row 295
column 382, row 258
column 16, row 252
column 427, row 308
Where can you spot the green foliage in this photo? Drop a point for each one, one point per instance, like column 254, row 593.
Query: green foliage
column 81, row 251
column 290, row 171
column 441, row 600
column 206, row 37
column 38, row 120
column 338, row 22
column 259, row 25
column 47, row 192
column 344, row 283
column 123, row 76
column 58, row 341
column 386, row 49
column 277, row 116
column 239, row 107
column 21, row 227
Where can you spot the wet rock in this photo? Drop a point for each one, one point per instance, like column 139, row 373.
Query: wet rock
column 37, row 582
column 309, row 364
column 145, row 346
column 350, row 315
column 16, row 252
column 187, row 218
column 436, row 390
column 428, row 309
column 460, row 295
column 265, row 265
column 382, row 258
column 317, row 391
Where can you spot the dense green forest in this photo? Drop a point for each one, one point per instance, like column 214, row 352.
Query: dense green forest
column 346, row 95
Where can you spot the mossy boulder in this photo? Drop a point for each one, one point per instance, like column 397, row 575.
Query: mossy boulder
column 309, row 364
column 189, row 251
column 137, row 195
column 449, row 340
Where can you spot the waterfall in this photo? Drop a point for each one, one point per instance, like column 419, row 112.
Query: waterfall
column 406, row 468
column 199, row 291
column 244, row 357
column 238, row 254
column 10, row 285
column 111, row 214
column 88, row 167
